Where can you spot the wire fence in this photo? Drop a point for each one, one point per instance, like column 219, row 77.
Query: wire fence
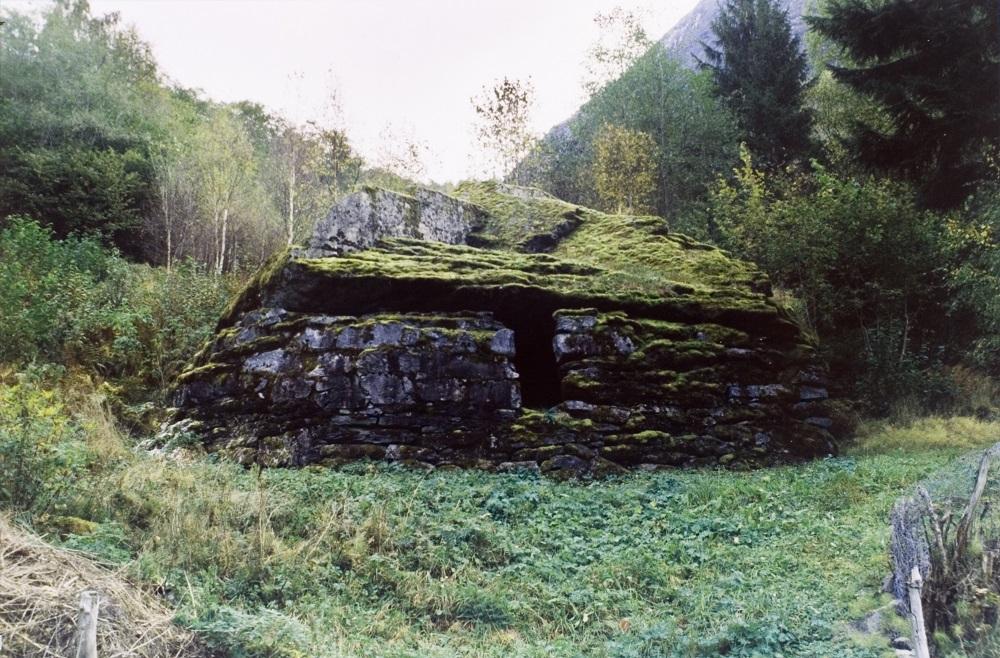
column 949, row 529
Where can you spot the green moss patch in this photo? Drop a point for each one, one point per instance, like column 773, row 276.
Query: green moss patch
column 610, row 262
column 639, row 248
column 415, row 276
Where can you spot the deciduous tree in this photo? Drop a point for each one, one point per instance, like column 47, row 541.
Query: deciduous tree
column 503, row 130
column 225, row 165
column 625, row 169
column 621, row 41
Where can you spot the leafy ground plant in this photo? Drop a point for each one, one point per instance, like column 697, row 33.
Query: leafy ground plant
column 376, row 560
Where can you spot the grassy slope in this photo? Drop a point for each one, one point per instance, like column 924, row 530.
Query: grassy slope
column 379, row 561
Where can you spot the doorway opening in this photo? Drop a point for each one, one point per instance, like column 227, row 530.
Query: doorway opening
column 535, row 361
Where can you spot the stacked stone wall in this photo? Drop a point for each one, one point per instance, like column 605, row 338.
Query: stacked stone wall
column 368, row 343
column 284, row 389
column 689, row 393
column 287, row 389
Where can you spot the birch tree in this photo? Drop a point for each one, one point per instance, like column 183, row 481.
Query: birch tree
column 226, row 164
column 625, row 169
column 503, row 129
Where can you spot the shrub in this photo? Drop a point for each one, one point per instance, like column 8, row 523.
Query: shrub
column 41, row 449
column 894, row 377
column 42, row 284
column 973, row 241
column 74, row 303
column 976, row 394
column 142, row 324
column 863, row 259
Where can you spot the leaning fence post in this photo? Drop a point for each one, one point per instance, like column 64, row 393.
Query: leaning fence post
column 917, row 612
column 86, row 625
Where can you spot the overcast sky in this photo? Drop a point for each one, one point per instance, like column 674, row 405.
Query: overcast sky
column 410, row 65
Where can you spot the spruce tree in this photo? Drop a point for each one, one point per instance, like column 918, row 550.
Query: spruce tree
column 935, row 68
column 760, row 71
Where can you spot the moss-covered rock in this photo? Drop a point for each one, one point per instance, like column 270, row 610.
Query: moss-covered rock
column 517, row 329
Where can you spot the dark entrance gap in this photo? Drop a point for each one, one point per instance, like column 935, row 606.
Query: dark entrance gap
column 534, row 359
column 525, row 310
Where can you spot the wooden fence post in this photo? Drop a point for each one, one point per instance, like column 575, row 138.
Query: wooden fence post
column 917, row 612
column 86, row 625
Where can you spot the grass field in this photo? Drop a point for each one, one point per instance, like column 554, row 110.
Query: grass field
column 375, row 560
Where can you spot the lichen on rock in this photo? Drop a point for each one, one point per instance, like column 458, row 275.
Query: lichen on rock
column 362, row 219
column 502, row 327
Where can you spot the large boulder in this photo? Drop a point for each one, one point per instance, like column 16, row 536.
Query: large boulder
column 361, row 220
column 501, row 327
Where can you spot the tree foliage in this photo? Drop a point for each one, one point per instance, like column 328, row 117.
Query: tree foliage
column 401, row 157
column 759, row 71
column 75, row 130
column 75, row 303
column 621, row 41
column 695, row 135
column 93, row 142
column 503, row 130
column 625, row 169
column 836, row 110
column 935, row 69
column 974, row 262
column 863, row 261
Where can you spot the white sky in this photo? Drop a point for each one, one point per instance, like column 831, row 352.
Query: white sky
column 409, row 64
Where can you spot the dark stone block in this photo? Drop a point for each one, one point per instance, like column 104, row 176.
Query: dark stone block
column 809, row 393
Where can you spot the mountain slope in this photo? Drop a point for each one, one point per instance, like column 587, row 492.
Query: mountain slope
column 685, row 39
column 662, row 88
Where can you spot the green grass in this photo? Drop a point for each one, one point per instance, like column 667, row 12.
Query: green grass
column 375, row 560
column 384, row 561
column 932, row 432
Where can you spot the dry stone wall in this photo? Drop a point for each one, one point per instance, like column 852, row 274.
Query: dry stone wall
column 688, row 393
column 287, row 389
column 454, row 356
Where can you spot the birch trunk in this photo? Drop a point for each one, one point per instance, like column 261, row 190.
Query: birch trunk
column 213, row 257
column 221, row 262
column 291, row 206
column 168, row 227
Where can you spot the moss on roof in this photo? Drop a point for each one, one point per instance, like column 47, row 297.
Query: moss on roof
column 638, row 246
column 516, row 215
column 609, row 262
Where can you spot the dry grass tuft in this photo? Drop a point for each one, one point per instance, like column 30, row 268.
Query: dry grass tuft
column 952, row 434
column 40, row 587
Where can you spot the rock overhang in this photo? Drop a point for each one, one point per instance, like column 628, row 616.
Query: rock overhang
column 618, row 329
